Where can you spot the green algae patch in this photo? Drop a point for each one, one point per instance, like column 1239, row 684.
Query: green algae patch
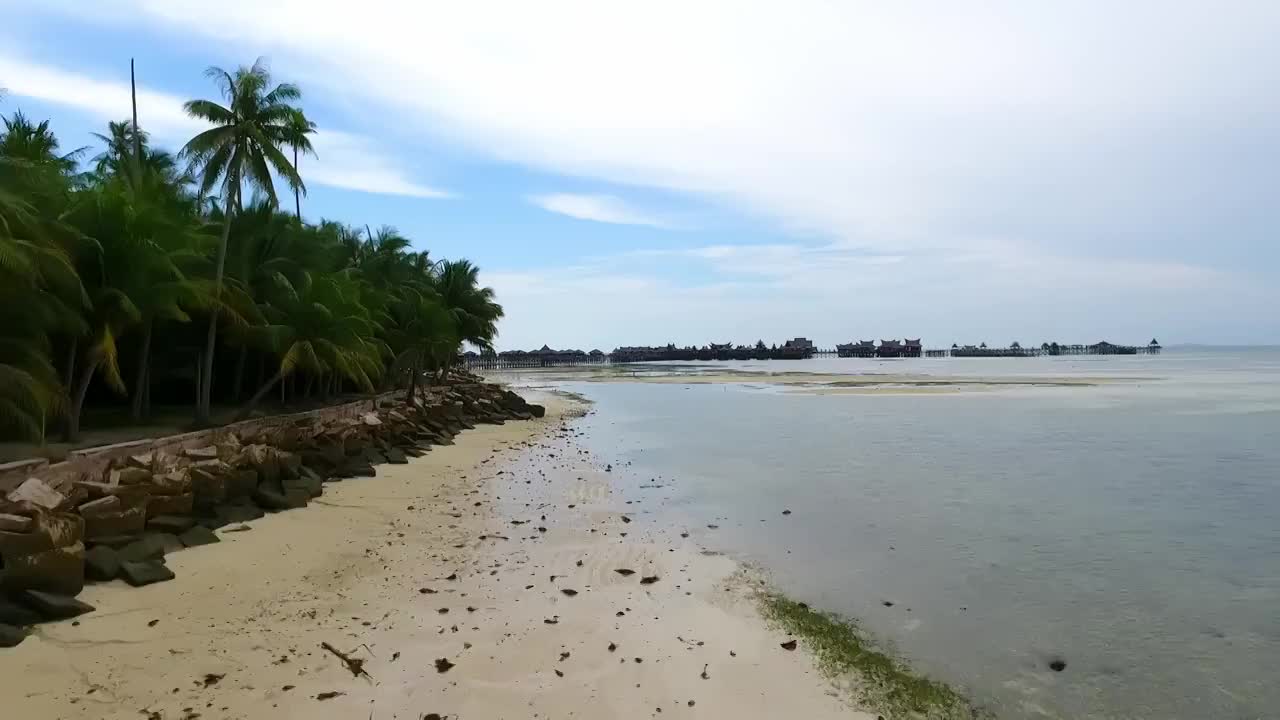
column 848, row 657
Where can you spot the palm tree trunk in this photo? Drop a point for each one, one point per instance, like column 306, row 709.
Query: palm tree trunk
column 297, row 196
column 413, row 383
column 253, row 401
column 202, row 409
column 306, row 388
column 146, row 394
column 144, row 360
column 77, row 403
column 239, row 382
column 69, row 372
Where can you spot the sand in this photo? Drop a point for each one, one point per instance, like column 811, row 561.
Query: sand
column 366, row 568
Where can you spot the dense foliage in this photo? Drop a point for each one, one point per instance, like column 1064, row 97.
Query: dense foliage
column 137, row 271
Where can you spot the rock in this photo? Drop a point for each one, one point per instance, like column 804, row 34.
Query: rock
column 396, row 456
column 144, row 461
column 115, row 542
column 238, row 513
column 242, row 483
column 122, row 523
column 359, row 468
column 13, row 613
column 54, row 606
column 370, row 419
column 296, row 497
column 168, row 541
column 11, row 636
column 148, row 547
column 15, row 523
column 311, row 487
column 271, row 499
column 161, row 505
column 374, row 457
column 290, row 464
column 148, row 572
column 175, row 524
column 59, row 570
column 198, row 535
column 209, row 483
column 101, row 563
column 177, row 482
column 34, row 491
column 1057, row 664
column 537, row 410
column 103, row 505
column 209, row 452
column 131, row 476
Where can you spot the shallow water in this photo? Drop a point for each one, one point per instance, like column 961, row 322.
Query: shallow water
column 1131, row 529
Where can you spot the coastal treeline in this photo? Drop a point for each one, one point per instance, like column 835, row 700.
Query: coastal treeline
column 128, row 271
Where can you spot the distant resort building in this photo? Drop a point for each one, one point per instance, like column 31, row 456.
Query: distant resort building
column 886, row 349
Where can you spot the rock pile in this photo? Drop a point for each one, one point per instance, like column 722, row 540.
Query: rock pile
column 120, row 525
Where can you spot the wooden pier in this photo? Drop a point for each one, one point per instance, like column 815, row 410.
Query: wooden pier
column 797, row 349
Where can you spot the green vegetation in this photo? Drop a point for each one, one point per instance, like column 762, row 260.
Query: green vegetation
column 879, row 680
column 137, row 272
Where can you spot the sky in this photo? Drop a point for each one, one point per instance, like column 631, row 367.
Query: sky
column 652, row 172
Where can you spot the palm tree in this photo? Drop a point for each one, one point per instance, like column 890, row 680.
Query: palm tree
column 40, row 293
column 243, row 147
column 299, row 128
column 424, row 335
column 473, row 308
column 319, row 326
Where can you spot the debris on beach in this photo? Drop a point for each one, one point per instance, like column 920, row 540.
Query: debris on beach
column 789, row 645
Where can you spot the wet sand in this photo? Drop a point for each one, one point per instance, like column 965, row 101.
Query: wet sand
column 452, row 558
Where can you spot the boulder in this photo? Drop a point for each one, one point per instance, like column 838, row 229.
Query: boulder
column 228, row 514
column 160, row 505
column 144, row 461
column 296, row 497
column 115, row 542
column 208, row 452
column 241, row 483
column 148, row 572
column 209, row 484
column 167, row 541
column 35, row 491
column 396, row 456
column 101, row 563
column 290, row 464
column 198, row 535
column 374, row 457
column 129, row 521
column 537, row 410
column 358, row 468
column 175, row 524
column 370, row 419
column 176, row 482
column 59, row 570
column 101, row 506
column 312, row 488
column 15, row 613
column 15, row 523
column 148, row 547
column 131, row 476
column 270, row 498
column 53, row 606
column 11, row 636
column 47, row 531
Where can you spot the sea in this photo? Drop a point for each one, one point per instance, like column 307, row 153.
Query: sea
column 1129, row 529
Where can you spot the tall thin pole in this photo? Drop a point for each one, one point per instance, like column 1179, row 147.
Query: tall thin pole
column 137, row 132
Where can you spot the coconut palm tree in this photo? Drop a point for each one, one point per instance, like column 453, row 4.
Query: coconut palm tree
column 40, row 293
column 319, row 326
column 299, row 128
column 243, row 147
column 423, row 335
column 473, row 308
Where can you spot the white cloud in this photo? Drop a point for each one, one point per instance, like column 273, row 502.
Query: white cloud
column 598, row 208
column 950, row 163
column 344, row 160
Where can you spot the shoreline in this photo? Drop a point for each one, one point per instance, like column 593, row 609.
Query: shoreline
column 367, row 570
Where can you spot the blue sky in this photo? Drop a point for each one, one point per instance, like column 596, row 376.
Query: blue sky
column 630, row 173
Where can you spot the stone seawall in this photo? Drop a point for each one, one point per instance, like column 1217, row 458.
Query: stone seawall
column 114, row 512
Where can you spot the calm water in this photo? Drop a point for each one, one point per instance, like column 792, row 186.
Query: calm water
column 1132, row 529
